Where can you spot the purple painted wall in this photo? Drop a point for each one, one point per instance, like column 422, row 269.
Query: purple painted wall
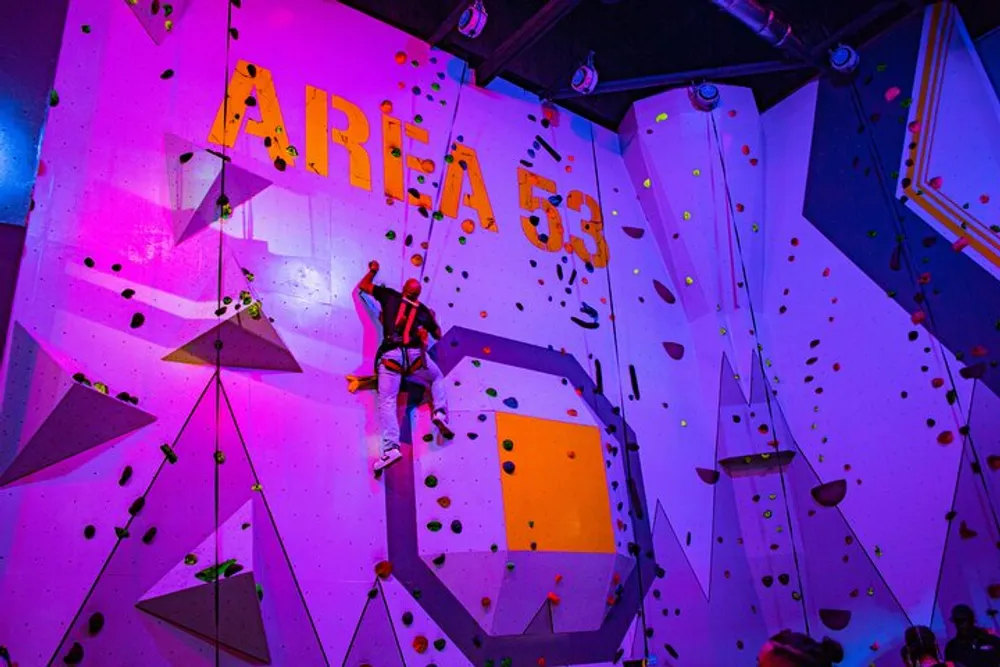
column 189, row 482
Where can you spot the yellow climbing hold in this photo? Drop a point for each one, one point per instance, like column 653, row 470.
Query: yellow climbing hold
column 687, row 215
column 696, row 172
column 684, row 422
column 689, row 280
column 647, row 183
column 660, row 117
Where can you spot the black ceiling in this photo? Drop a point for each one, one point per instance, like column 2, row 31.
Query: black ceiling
column 646, row 38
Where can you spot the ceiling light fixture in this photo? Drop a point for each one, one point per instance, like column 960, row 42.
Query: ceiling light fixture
column 585, row 77
column 705, row 97
column 844, row 59
column 473, row 20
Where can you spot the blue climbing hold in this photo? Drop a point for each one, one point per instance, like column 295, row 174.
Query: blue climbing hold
column 510, row 403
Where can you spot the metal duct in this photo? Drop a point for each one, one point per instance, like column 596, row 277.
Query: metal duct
column 767, row 24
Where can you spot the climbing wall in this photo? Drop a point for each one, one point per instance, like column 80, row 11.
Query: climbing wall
column 712, row 376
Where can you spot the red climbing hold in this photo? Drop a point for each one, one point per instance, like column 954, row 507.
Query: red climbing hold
column 978, row 351
column 831, row 493
column 914, row 126
column 674, row 350
column 383, row 569
column 936, row 182
column 485, row 602
column 559, row 578
column 945, row 438
column 745, row 149
column 937, row 383
column 984, row 199
column 420, row 644
column 918, row 317
column 961, row 244
column 553, row 598
column 965, row 532
column 993, row 462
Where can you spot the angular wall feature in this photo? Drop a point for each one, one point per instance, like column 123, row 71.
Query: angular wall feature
column 49, row 417
column 248, row 341
column 374, row 641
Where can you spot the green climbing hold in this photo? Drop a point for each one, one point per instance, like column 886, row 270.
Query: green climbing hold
column 430, row 481
column 456, row 526
column 434, row 526
column 437, row 215
column 391, row 235
column 439, row 644
column 449, row 159
column 53, row 98
column 510, row 567
column 417, row 593
column 531, row 524
column 872, row 233
column 494, row 548
column 461, row 240
column 477, row 363
column 260, row 593
column 396, row 152
column 491, row 392
column 85, row 28
column 418, row 119
column 407, row 619
column 508, row 444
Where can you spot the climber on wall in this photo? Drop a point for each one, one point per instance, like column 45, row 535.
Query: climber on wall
column 920, row 648
column 406, row 324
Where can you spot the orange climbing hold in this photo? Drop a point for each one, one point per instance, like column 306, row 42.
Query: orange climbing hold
column 541, row 662
column 400, row 57
column 420, row 644
column 427, row 166
column 468, row 226
column 444, row 501
column 486, row 350
column 383, row 569
column 571, row 412
column 386, row 106
column 571, row 454
column 417, row 260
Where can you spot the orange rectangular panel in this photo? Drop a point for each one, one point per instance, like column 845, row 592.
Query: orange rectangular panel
column 557, row 496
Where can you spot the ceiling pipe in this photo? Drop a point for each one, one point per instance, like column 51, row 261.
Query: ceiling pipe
column 768, row 26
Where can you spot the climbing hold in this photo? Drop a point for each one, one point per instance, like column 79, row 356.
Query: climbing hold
column 138, row 320
column 430, row 481
column 892, row 93
column 674, row 350
column 89, row 531
column 407, row 619
column 439, row 644
column 508, row 467
column 835, row 619
column 137, row 506
column 708, row 476
column 434, row 526
column 936, row 182
column 831, row 493
column 420, row 644
column 125, row 476
column 122, row 533
column 439, row 560
column 664, row 292
column 491, row 392
column 456, row 526
column 75, row 655
column 510, row 567
column 149, row 535
column 553, row 598
column 485, row 602
column 945, row 438
column 508, row 444
column 166, row 74
column 383, row 569
column 190, row 559
column 511, row 403
column 634, row 232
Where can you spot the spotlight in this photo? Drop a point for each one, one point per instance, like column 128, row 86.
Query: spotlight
column 473, row 20
column 585, row 77
column 705, row 97
column 844, row 59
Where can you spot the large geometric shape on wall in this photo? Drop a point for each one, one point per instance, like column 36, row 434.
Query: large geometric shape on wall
column 49, row 417
column 201, row 497
column 240, row 628
column 157, row 21
column 556, row 506
column 374, row 642
column 637, row 570
column 849, row 180
column 197, row 183
column 247, row 342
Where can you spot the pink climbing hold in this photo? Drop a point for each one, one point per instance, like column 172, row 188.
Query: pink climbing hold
column 936, row 182
column 961, row 244
column 675, row 350
column 892, row 93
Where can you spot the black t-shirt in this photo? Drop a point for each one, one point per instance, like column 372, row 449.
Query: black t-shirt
column 983, row 650
column 392, row 335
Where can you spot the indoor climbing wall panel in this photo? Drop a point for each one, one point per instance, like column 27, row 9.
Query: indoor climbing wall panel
column 189, row 288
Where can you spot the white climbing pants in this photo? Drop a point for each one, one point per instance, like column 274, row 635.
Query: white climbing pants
column 389, row 382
